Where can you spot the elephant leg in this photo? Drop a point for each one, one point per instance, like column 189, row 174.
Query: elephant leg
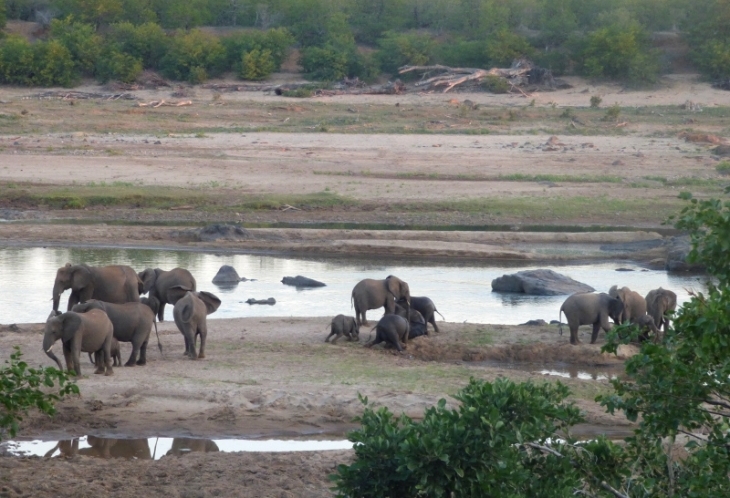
column 392, row 337
column 161, row 312
column 432, row 321
column 203, row 331
column 378, row 339
column 364, row 320
column 68, row 356
column 574, row 335
column 190, row 339
column 73, row 300
column 143, row 353
column 594, row 334
column 328, row 337
column 187, row 344
column 135, row 351
column 76, row 356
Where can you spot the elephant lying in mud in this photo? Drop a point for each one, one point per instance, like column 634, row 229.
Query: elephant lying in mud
column 112, row 284
column 590, row 309
column 417, row 322
column 344, row 325
column 393, row 330
column 90, row 332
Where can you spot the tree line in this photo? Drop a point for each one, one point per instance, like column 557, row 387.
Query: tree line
column 596, row 38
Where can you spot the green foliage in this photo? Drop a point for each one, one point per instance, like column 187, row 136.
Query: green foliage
column 256, row 65
column 619, row 52
column 503, row 47
column 596, row 101
column 184, row 14
column 275, row 41
column 612, row 113
column 3, row 15
column 708, row 35
column 723, row 167
column 81, row 41
column 495, row 84
column 146, row 42
column 400, row 49
column 38, row 64
column 488, row 446
column 96, row 12
column 326, row 64
column 462, row 53
column 23, row 388
column 118, row 66
column 193, row 56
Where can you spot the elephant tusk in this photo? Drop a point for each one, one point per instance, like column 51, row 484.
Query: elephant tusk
column 49, row 349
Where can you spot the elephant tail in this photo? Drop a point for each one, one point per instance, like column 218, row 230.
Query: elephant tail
column 91, row 359
column 159, row 344
column 560, row 321
column 442, row 316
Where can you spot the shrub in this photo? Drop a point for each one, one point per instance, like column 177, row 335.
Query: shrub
column 256, row 65
column 503, row 47
column 462, row 53
column 612, row 113
column 277, row 41
column 723, row 167
column 327, row 63
column 114, row 65
column 81, row 41
column 596, row 101
column 38, row 64
column 146, row 42
column 20, row 390
column 193, row 56
column 495, row 84
column 400, row 49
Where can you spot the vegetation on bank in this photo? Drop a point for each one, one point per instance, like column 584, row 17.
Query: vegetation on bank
column 513, row 439
column 117, row 39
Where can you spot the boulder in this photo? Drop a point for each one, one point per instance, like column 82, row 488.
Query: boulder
column 270, row 301
column 219, row 231
column 227, row 275
column 535, row 323
column 539, row 283
column 677, row 251
column 300, row 281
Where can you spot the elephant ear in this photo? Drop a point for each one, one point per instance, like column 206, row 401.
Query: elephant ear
column 177, row 292
column 70, row 323
column 80, row 276
column 212, row 303
column 148, row 277
column 613, row 291
column 398, row 288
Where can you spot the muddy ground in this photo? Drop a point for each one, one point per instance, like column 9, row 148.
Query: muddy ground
column 425, row 161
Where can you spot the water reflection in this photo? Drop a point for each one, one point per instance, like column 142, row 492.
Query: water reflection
column 156, row 448
column 564, row 370
column 462, row 292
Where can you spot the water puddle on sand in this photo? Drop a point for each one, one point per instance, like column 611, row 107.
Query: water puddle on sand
column 156, row 447
column 564, row 370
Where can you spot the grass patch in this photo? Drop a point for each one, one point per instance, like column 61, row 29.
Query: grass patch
column 516, row 177
column 723, row 167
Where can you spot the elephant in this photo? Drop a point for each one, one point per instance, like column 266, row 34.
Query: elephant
column 658, row 303
column 634, row 303
column 132, row 323
column 90, row 332
column 112, row 284
column 646, row 324
column 183, row 445
column 417, row 322
column 116, row 353
column 104, row 448
column 343, row 325
column 392, row 329
column 370, row 294
column 157, row 282
column 190, row 312
column 426, row 308
column 587, row 308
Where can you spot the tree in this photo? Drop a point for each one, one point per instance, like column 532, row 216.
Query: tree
column 96, row 12
column 23, row 388
column 81, row 41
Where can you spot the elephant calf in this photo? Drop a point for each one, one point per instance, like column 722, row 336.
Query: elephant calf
column 392, row 329
column 90, row 332
column 646, row 324
column 590, row 309
column 116, row 353
column 343, row 325
column 425, row 307
column 417, row 321
column 634, row 303
column 190, row 312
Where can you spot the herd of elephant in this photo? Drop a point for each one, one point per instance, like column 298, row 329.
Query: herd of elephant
column 622, row 306
column 105, row 308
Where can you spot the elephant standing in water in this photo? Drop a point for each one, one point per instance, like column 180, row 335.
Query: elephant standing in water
column 190, row 312
column 590, row 309
column 90, row 332
column 157, row 282
column 370, row 294
column 112, row 284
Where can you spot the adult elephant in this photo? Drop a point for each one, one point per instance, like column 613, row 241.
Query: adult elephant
column 634, row 303
column 132, row 323
column 157, row 282
column 112, row 284
column 370, row 294
column 90, row 332
column 590, row 309
column 658, row 303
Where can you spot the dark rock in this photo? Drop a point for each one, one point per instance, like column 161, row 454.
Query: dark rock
column 722, row 150
column 539, row 283
column 625, row 269
column 300, row 281
column 677, row 250
column 219, row 231
column 226, row 275
column 538, row 323
column 555, row 322
column 270, row 301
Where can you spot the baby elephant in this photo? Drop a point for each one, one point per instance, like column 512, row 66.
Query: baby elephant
column 190, row 312
column 646, row 324
column 116, row 353
column 392, row 329
column 343, row 325
column 90, row 332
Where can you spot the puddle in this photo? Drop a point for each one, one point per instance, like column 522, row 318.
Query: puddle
column 156, row 448
column 462, row 292
column 564, row 370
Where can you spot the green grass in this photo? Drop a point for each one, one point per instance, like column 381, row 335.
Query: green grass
column 723, row 167
column 515, row 177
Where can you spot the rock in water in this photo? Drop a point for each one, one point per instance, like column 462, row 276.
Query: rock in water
column 539, row 283
column 226, row 275
column 300, row 281
column 270, row 300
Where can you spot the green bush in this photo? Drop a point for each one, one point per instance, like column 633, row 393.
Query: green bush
column 81, row 41
column 193, row 56
column 462, row 53
column 619, row 52
column 118, row 66
column 503, row 47
column 400, row 49
column 256, row 65
column 495, row 84
column 723, row 167
column 145, row 42
column 37, row 64
column 326, row 64
column 277, row 41
column 22, row 388
column 596, row 101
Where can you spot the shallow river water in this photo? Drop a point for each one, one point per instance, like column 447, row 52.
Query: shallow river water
column 462, row 292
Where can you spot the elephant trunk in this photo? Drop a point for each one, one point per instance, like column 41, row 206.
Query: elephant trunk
column 48, row 342
column 58, row 289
